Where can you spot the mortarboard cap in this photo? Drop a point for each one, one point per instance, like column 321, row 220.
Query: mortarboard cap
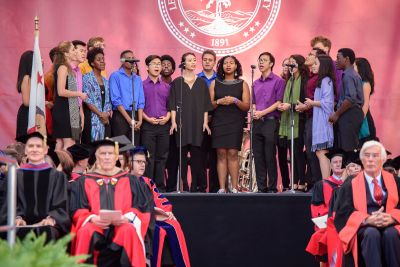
column 79, row 152
column 335, row 152
column 353, row 157
column 121, row 139
column 25, row 138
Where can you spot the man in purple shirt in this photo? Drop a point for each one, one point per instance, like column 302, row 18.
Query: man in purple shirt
column 155, row 128
column 267, row 95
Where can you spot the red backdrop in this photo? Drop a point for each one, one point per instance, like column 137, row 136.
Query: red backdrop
column 370, row 27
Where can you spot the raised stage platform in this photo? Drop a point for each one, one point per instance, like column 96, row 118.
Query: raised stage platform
column 245, row 230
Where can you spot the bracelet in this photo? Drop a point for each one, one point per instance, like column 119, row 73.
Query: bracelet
column 235, row 100
column 217, row 102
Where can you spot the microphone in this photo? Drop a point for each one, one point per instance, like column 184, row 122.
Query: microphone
column 253, row 67
column 182, row 65
column 291, row 65
column 134, row 60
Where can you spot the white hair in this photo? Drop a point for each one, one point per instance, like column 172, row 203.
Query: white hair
column 370, row 144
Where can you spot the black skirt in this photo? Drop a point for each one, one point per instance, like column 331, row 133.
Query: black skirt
column 22, row 121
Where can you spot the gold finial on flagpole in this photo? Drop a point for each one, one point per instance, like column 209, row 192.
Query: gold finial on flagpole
column 36, row 23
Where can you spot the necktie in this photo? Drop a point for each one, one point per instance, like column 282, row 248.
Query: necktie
column 378, row 194
column 106, row 181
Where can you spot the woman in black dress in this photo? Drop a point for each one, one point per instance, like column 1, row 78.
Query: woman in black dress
column 194, row 109
column 66, row 110
column 363, row 68
column 24, row 88
column 230, row 96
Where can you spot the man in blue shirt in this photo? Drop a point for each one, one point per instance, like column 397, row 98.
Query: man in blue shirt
column 209, row 155
column 121, row 93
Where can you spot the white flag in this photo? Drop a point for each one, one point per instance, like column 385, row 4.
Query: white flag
column 37, row 113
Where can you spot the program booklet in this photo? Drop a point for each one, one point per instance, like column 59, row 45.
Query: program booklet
column 110, row 215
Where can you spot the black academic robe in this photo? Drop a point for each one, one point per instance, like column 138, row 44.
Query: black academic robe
column 351, row 209
column 195, row 102
column 89, row 195
column 42, row 192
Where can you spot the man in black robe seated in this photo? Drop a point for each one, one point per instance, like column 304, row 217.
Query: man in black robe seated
column 42, row 200
column 368, row 213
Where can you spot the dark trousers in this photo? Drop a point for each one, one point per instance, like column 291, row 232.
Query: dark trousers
column 172, row 164
column 379, row 247
column 348, row 128
column 283, row 163
column 119, row 126
column 313, row 173
column 265, row 136
column 156, row 139
column 209, row 157
column 196, row 166
column 299, row 158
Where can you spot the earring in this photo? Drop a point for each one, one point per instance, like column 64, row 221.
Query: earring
column 236, row 73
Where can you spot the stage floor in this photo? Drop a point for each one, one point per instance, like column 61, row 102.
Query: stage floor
column 245, row 230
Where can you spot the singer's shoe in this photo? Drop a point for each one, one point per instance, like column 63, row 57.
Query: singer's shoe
column 234, row 190
column 221, row 191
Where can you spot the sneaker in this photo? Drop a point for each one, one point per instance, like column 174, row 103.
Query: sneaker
column 234, row 190
column 221, row 191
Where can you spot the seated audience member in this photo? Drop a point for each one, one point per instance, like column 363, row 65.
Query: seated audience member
column 108, row 240
column 169, row 245
column 80, row 155
column 321, row 197
column 41, row 192
column 368, row 213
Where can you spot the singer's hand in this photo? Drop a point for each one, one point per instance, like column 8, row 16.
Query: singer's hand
column 309, row 102
column 173, row 128
column 206, row 128
column 284, row 106
column 163, row 120
column 137, row 125
column 153, row 120
column 83, row 96
column 300, row 107
column 257, row 115
column 229, row 100
column 333, row 118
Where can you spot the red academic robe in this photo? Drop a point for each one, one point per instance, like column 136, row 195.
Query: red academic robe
column 91, row 193
column 351, row 210
column 167, row 228
column 322, row 194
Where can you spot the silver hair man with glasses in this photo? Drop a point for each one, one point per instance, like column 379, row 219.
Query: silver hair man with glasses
column 368, row 213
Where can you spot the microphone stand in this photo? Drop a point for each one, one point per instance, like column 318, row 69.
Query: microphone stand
column 179, row 111
column 133, row 74
column 291, row 131
column 251, row 131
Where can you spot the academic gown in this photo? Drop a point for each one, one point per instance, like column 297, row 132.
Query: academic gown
column 118, row 245
column 351, row 210
column 175, row 249
column 42, row 192
column 321, row 197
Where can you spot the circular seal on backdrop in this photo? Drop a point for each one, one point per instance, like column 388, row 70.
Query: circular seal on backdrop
column 225, row 26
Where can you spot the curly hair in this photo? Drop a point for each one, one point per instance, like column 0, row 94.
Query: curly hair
column 220, row 67
column 91, row 55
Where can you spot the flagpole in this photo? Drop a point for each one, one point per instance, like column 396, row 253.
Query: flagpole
column 36, row 25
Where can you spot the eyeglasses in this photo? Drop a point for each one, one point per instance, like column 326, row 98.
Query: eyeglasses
column 155, row 64
column 262, row 60
column 140, row 162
